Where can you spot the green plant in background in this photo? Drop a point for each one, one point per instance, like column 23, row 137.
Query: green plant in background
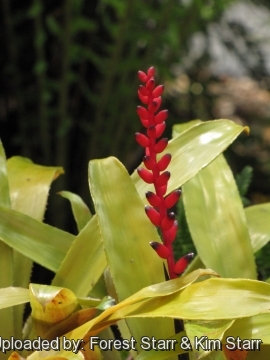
column 111, row 256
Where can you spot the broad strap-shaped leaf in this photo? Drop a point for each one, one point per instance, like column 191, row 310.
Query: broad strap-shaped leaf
column 12, row 296
column 29, row 185
column 212, row 299
column 80, row 210
column 85, row 261
column 258, row 225
column 42, row 243
column 217, row 223
column 194, row 149
column 126, row 233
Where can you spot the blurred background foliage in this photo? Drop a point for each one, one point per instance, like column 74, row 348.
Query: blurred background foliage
column 68, row 80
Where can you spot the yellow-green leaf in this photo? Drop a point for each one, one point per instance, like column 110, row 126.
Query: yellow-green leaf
column 217, row 223
column 258, row 225
column 126, row 233
column 12, row 296
column 50, row 305
column 40, row 242
column 194, row 149
column 85, row 261
column 80, row 210
column 29, row 185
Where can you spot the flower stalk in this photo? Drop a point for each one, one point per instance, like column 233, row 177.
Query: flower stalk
column 155, row 170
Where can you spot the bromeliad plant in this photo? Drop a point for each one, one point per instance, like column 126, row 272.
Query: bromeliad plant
column 111, row 255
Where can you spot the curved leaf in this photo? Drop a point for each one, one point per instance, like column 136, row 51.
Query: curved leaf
column 29, row 185
column 193, row 150
column 217, row 223
column 212, row 299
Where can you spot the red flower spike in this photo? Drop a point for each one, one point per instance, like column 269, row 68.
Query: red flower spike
column 172, row 198
column 156, row 173
column 144, row 99
column 145, row 175
column 171, row 233
column 149, row 163
column 153, row 215
column 153, row 199
column 163, row 178
column 160, row 249
column 142, row 139
column 164, row 162
column 143, row 91
column 142, row 112
column 155, row 104
column 182, row 264
column 158, row 91
column 151, row 71
column 161, row 116
column 160, row 129
column 161, row 145
column 168, row 221
column 150, row 84
column 151, row 131
column 142, row 76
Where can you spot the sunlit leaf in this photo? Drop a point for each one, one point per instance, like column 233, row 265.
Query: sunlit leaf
column 217, row 223
column 194, row 149
column 149, row 293
column 126, row 233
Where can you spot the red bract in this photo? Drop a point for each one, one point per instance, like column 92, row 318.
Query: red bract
column 182, row 264
column 155, row 125
column 160, row 249
column 172, row 199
